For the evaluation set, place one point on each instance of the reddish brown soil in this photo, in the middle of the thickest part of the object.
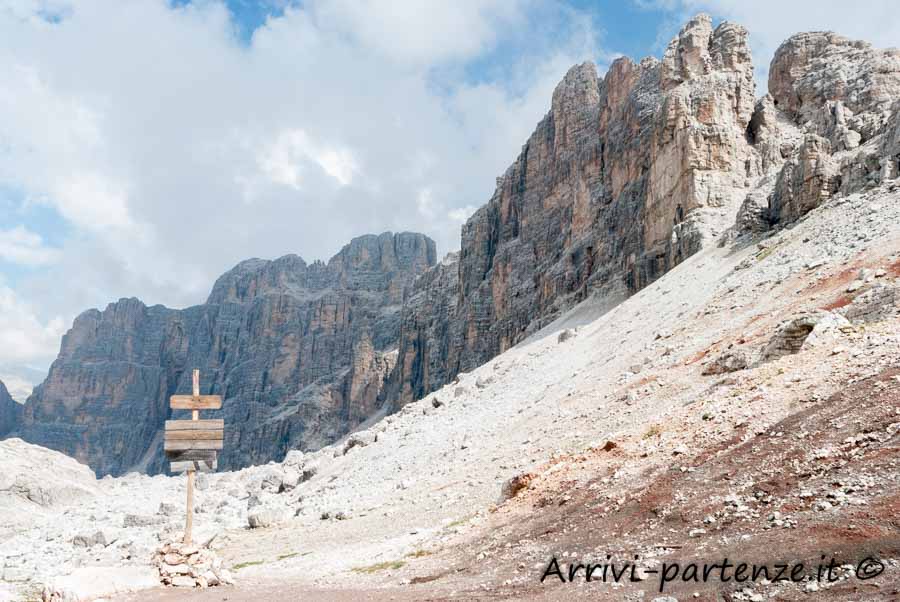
(660, 514)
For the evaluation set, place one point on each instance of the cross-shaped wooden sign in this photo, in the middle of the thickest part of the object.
(192, 445)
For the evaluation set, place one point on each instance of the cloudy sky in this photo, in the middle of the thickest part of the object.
(147, 146)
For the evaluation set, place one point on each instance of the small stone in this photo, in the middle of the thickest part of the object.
(730, 361)
(137, 520)
(179, 569)
(294, 458)
(483, 381)
(183, 581)
(513, 486)
(264, 518)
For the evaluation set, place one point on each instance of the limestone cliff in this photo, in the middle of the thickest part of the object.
(9, 411)
(623, 179)
(298, 351)
(829, 126)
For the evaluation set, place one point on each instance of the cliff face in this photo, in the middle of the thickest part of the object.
(10, 411)
(299, 353)
(830, 126)
(624, 178)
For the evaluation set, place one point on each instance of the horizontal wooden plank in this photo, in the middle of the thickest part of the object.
(195, 425)
(192, 455)
(201, 402)
(194, 435)
(195, 466)
(185, 445)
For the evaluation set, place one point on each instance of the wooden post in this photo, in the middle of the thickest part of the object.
(192, 445)
(196, 392)
(189, 521)
(195, 415)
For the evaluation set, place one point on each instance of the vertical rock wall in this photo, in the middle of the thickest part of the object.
(299, 352)
(623, 179)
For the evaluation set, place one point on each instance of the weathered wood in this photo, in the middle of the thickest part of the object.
(189, 522)
(195, 392)
(194, 435)
(192, 455)
(195, 466)
(201, 402)
(170, 445)
(215, 424)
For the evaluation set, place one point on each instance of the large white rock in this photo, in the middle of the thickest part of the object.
(43, 476)
(89, 583)
(35, 479)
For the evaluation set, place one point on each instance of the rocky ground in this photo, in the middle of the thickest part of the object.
(747, 404)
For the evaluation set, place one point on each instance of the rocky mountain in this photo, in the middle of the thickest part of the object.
(737, 397)
(9, 411)
(829, 126)
(626, 177)
(297, 350)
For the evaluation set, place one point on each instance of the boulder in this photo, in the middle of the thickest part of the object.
(807, 328)
(729, 361)
(512, 487)
(266, 517)
(360, 439)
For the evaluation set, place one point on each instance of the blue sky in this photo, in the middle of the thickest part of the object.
(256, 128)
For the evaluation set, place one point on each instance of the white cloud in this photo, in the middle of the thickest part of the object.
(420, 31)
(19, 387)
(91, 201)
(21, 246)
(425, 203)
(173, 151)
(23, 337)
(284, 160)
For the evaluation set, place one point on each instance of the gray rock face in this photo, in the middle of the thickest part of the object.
(33, 479)
(843, 97)
(298, 351)
(623, 179)
(10, 411)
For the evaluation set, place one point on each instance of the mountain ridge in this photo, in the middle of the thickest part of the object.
(109, 388)
(624, 178)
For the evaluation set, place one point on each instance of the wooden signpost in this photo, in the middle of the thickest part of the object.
(192, 445)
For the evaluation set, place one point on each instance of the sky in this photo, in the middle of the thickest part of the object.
(148, 146)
